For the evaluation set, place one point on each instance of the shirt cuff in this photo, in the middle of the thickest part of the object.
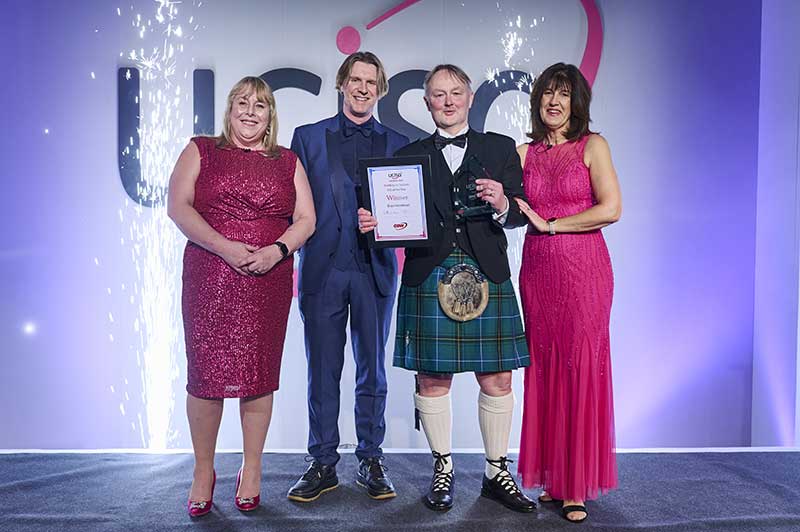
(500, 217)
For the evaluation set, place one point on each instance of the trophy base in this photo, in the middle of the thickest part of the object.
(474, 212)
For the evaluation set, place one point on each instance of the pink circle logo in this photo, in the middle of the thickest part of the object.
(348, 40)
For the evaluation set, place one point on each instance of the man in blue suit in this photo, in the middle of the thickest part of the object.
(340, 276)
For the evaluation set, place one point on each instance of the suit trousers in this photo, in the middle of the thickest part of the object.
(325, 315)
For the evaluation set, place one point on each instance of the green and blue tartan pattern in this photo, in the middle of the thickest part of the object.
(428, 341)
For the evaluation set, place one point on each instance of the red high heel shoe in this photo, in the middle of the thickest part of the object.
(245, 504)
(201, 508)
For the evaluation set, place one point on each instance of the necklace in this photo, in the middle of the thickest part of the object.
(548, 143)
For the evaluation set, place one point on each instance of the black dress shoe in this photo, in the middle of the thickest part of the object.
(317, 480)
(440, 495)
(503, 488)
(372, 476)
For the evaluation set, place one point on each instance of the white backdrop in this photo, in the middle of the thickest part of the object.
(470, 35)
(93, 343)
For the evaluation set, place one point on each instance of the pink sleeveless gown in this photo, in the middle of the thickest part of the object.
(235, 325)
(566, 286)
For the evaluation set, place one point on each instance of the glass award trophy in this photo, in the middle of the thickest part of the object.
(464, 191)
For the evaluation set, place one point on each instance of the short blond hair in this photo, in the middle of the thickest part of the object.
(248, 85)
(365, 57)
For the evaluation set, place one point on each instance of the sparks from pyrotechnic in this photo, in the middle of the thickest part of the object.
(516, 36)
(155, 244)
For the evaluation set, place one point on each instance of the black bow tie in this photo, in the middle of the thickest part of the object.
(440, 142)
(351, 128)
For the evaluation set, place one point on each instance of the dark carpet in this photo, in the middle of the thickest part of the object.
(739, 492)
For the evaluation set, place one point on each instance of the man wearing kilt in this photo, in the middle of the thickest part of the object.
(457, 310)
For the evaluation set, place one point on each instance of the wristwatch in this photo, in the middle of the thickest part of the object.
(283, 248)
(551, 225)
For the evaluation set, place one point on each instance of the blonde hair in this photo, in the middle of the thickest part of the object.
(343, 75)
(247, 85)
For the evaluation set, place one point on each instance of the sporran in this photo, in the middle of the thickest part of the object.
(463, 292)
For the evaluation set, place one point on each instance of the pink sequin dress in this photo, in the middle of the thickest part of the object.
(566, 286)
(235, 325)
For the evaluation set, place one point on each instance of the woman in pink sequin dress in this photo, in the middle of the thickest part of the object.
(566, 286)
(245, 205)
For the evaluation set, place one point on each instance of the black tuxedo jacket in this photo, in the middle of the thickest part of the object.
(483, 238)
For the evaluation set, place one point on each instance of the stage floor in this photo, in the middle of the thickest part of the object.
(741, 492)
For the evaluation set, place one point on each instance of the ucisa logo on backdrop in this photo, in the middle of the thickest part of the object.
(203, 87)
(348, 39)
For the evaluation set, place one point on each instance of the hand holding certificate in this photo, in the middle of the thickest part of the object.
(394, 192)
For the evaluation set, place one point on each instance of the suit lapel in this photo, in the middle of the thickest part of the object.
(335, 167)
(442, 177)
(474, 147)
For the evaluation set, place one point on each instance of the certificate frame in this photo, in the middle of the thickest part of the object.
(414, 197)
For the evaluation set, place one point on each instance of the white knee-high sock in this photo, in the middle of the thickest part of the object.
(434, 413)
(494, 416)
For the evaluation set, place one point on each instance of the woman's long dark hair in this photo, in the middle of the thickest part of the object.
(562, 76)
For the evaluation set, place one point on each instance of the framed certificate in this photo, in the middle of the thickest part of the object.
(395, 190)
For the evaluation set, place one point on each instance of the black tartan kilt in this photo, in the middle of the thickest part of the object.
(428, 341)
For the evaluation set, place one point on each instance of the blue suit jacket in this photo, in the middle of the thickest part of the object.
(317, 147)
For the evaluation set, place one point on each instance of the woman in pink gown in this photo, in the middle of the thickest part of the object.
(566, 286)
(245, 205)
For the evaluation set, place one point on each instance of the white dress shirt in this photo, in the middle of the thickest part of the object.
(453, 155)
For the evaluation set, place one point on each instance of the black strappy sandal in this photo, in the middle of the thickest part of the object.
(566, 510)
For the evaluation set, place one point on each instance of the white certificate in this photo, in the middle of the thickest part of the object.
(397, 197)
